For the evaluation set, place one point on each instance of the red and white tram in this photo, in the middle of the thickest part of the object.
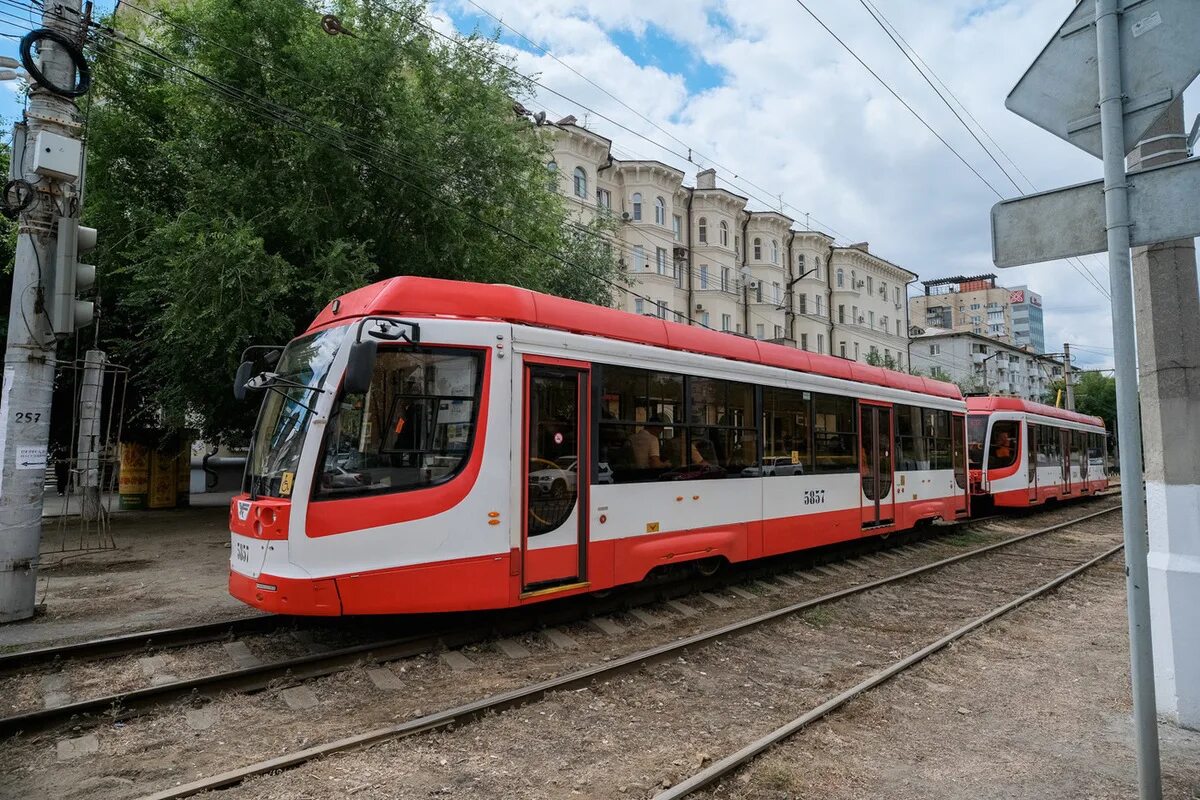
(432, 445)
(1034, 452)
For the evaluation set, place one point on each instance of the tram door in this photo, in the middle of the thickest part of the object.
(958, 442)
(1064, 440)
(555, 482)
(875, 465)
(1031, 455)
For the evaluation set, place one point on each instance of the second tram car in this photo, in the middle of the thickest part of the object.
(433, 445)
(1025, 454)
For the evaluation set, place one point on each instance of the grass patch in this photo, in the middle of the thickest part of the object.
(818, 617)
(775, 777)
(966, 539)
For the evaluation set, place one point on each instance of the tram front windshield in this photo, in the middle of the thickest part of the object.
(976, 433)
(283, 420)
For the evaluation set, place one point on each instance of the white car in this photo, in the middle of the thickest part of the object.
(774, 465)
(557, 481)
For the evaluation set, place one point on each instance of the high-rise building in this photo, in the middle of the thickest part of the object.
(972, 304)
(1028, 330)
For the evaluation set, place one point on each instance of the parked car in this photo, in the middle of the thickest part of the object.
(774, 465)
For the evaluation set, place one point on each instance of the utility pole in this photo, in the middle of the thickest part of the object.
(1133, 492)
(1067, 376)
(47, 164)
(1168, 342)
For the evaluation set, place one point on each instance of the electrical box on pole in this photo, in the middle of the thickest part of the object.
(67, 312)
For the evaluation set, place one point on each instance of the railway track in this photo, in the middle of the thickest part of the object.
(603, 672)
(423, 635)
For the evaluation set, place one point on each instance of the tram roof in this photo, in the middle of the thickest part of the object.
(992, 403)
(433, 297)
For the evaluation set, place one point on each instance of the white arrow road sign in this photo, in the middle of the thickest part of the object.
(1070, 222)
(1160, 56)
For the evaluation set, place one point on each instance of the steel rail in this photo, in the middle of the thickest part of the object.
(474, 710)
(138, 641)
(719, 769)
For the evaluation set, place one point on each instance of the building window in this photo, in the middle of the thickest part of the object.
(704, 318)
(778, 331)
(677, 227)
(552, 171)
(935, 349)
(639, 306)
(702, 230)
(704, 276)
(896, 291)
(660, 260)
(898, 328)
(678, 267)
(726, 282)
(853, 279)
(871, 318)
(660, 211)
(758, 249)
(639, 257)
(724, 234)
(581, 183)
(758, 292)
(803, 300)
(817, 266)
(804, 341)
(841, 279)
(799, 265)
(869, 289)
(842, 349)
(777, 292)
(637, 206)
(883, 289)
(760, 331)
(856, 351)
(604, 199)
(854, 317)
(774, 251)
(874, 350)
(820, 343)
(841, 315)
(663, 310)
(737, 245)
(726, 321)
(820, 308)
(883, 323)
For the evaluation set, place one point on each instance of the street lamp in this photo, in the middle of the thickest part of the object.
(984, 365)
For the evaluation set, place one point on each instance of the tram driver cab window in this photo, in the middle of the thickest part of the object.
(413, 428)
(1002, 451)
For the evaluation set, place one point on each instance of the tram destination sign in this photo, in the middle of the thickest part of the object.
(1159, 57)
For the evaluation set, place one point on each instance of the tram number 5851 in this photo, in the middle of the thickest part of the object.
(813, 497)
(243, 552)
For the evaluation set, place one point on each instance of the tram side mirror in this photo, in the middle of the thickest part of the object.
(360, 367)
(239, 380)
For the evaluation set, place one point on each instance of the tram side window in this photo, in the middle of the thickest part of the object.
(937, 429)
(414, 427)
(787, 432)
(1004, 443)
(923, 438)
(976, 433)
(639, 431)
(722, 436)
(835, 437)
(1049, 451)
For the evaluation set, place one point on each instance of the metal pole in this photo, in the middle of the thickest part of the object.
(1133, 492)
(28, 379)
(1067, 376)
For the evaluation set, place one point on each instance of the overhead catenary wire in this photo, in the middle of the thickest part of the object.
(927, 73)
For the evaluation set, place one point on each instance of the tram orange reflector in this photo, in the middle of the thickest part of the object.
(493, 522)
(493, 513)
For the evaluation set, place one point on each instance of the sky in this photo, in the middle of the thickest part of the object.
(763, 93)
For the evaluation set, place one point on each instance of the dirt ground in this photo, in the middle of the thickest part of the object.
(169, 568)
(1035, 706)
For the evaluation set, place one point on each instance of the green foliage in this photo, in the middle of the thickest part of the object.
(225, 223)
(1095, 394)
(886, 361)
(939, 374)
(8, 249)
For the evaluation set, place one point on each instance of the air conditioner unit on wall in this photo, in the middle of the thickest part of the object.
(753, 284)
(699, 306)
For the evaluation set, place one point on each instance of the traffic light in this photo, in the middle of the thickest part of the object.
(67, 312)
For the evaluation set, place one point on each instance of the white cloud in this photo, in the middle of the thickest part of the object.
(797, 115)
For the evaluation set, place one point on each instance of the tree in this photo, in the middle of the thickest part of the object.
(233, 208)
(886, 361)
(1095, 394)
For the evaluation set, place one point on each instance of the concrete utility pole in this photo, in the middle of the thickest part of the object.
(51, 136)
(87, 450)
(1067, 376)
(1168, 342)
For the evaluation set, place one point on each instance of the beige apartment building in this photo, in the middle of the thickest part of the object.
(696, 254)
